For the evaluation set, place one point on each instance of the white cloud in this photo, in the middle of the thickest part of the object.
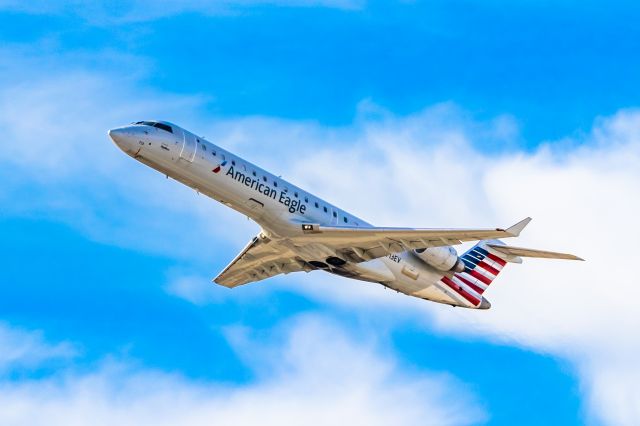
(197, 289)
(309, 373)
(191, 288)
(27, 349)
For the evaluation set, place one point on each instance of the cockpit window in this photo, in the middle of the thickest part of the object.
(161, 126)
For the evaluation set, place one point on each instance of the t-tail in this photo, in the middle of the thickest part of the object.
(484, 261)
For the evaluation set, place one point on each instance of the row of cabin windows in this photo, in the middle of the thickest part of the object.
(275, 183)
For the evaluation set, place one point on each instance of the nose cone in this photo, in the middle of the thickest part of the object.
(123, 139)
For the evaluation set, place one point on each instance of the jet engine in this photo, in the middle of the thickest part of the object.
(442, 258)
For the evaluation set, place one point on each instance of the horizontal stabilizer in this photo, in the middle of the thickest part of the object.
(526, 252)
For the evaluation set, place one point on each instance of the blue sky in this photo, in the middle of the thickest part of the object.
(444, 114)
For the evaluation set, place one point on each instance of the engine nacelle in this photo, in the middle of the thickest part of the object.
(442, 258)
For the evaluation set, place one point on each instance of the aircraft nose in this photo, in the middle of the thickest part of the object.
(122, 138)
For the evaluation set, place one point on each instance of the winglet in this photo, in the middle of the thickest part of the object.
(518, 227)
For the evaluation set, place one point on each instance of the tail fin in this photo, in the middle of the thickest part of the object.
(482, 266)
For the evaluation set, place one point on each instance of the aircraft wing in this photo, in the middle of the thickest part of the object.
(259, 260)
(360, 244)
(265, 258)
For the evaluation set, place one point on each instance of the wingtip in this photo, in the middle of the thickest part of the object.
(569, 256)
(516, 229)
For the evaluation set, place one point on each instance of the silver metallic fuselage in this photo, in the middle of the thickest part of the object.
(248, 189)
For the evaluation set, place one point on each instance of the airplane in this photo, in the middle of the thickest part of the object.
(301, 232)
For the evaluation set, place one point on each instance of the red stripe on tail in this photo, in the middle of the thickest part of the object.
(479, 276)
(488, 268)
(461, 291)
(496, 259)
(477, 289)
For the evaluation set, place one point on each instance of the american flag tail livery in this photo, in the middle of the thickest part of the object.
(482, 264)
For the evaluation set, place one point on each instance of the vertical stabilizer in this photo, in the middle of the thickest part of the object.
(482, 265)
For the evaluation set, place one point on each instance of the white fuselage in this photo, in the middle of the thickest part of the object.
(278, 206)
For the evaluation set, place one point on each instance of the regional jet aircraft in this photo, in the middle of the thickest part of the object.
(301, 232)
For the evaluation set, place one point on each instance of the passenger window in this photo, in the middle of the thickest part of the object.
(264, 178)
(325, 209)
(233, 162)
(335, 214)
(344, 219)
(295, 194)
(213, 153)
(316, 204)
(306, 199)
(275, 183)
(253, 173)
